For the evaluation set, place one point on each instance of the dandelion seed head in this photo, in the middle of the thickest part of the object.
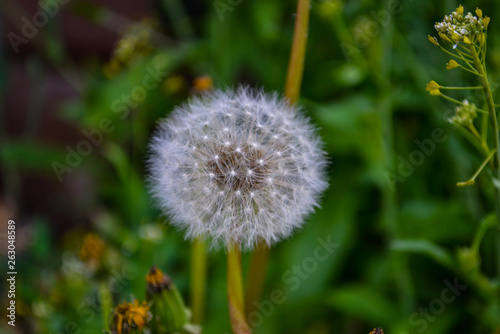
(249, 180)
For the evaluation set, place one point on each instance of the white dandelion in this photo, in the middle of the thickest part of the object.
(237, 167)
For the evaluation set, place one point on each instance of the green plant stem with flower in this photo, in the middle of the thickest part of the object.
(466, 34)
(480, 66)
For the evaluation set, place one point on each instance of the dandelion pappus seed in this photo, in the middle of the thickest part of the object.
(231, 187)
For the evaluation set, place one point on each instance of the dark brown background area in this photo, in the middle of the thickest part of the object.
(45, 89)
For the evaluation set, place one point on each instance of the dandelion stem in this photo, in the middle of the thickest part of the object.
(260, 256)
(235, 291)
(198, 280)
(479, 64)
(256, 276)
(296, 64)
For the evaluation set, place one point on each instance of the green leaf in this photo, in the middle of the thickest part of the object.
(426, 247)
(363, 302)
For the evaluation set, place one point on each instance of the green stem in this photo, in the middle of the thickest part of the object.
(106, 304)
(235, 291)
(485, 225)
(260, 257)
(256, 276)
(484, 146)
(496, 137)
(381, 71)
(460, 103)
(198, 280)
(461, 57)
(458, 88)
(472, 180)
(472, 139)
(468, 70)
(296, 64)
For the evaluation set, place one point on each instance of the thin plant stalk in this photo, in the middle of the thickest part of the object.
(256, 276)
(483, 78)
(106, 305)
(260, 257)
(296, 64)
(235, 291)
(198, 280)
(381, 59)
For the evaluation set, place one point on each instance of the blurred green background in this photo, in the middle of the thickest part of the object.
(398, 227)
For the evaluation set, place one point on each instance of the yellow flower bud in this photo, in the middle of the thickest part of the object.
(479, 12)
(433, 40)
(452, 64)
(433, 88)
(444, 37)
(466, 40)
(455, 37)
(460, 10)
(167, 307)
(466, 183)
(486, 21)
(433, 85)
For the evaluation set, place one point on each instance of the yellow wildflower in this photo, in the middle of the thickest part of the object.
(452, 64)
(433, 88)
(433, 40)
(479, 12)
(129, 317)
(486, 22)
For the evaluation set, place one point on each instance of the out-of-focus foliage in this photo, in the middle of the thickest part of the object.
(397, 226)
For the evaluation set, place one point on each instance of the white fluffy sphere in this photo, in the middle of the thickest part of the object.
(237, 167)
